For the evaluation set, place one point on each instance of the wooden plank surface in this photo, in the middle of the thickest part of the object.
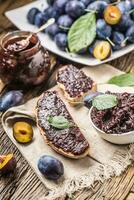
(24, 184)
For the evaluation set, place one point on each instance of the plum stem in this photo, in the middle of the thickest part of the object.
(115, 3)
(68, 52)
(93, 11)
(124, 41)
(131, 11)
(110, 41)
(64, 28)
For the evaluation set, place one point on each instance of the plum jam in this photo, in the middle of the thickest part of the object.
(16, 44)
(29, 64)
(117, 120)
(70, 139)
(75, 81)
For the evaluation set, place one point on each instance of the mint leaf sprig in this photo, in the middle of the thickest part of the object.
(105, 101)
(123, 80)
(60, 122)
(82, 33)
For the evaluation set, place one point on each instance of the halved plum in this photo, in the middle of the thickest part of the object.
(7, 163)
(23, 132)
(112, 15)
(102, 50)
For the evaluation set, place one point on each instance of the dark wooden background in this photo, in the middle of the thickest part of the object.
(24, 184)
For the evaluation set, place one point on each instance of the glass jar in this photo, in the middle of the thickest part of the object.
(30, 65)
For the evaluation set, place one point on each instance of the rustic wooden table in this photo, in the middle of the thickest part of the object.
(24, 184)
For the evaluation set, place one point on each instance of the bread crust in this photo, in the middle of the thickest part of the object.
(58, 150)
(74, 100)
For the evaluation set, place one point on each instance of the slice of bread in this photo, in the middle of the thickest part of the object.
(69, 142)
(75, 84)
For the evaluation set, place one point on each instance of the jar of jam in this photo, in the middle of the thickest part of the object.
(29, 64)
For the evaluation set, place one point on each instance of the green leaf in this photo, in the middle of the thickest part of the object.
(105, 101)
(82, 33)
(123, 80)
(59, 122)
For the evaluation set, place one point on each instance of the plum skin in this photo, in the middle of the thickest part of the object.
(50, 2)
(118, 39)
(125, 6)
(50, 167)
(59, 5)
(53, 30)
(50, 12)
(103, 30)
(10, 99)
(39, 19)
(31, 14)
(130, 34)
(75, 9)
(64, 21)
(98, 6)
(61, 41)
(10, 166)
(89, 98)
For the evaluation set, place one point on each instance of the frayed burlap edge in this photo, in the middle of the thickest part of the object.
(101, 172)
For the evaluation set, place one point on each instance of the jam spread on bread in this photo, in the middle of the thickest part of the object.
(70, 139)
(74, 80)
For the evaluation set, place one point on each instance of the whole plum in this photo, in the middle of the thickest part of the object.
(124, 23)
(103, 30)
(124, 6)
(118, 39)
(75, 8)
(50, 167)
(61, 40)
(60, 5)
(98, 7)
(50, 12)
(31, 14)
(64, 22)
(39, 19)
(10, 99)
(53, 30)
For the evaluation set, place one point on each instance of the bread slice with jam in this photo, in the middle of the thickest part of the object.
(74, 83)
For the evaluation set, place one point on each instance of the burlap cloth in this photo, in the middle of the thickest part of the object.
(79, 174)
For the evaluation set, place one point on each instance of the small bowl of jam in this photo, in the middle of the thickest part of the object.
(29, 64)
(116, 124)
